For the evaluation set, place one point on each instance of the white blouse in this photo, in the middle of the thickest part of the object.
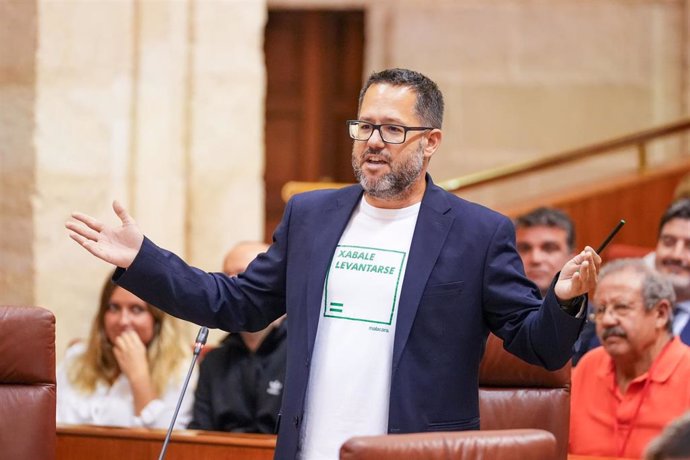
(114, 405)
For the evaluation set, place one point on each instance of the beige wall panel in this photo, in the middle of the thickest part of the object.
(82, 140)
(18, 41)
(685, 61)
(531, 78)
(17, 182)
(592, 42)
(158, 153)
(454, 42)
(499, 125)
(226, 133)
(563, 179)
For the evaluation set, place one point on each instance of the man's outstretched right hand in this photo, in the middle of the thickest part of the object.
(116, 245)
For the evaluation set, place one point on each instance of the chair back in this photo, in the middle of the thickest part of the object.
(517, 395)
(467, 445)
(27, 383)
(624, 251)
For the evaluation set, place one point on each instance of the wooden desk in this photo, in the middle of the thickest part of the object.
(81, 442)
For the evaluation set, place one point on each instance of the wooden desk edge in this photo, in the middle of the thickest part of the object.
(251, 440)
(266, 441)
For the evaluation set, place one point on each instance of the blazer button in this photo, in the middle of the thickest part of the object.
(295, 420)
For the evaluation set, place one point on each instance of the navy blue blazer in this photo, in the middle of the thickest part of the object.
(464, 278)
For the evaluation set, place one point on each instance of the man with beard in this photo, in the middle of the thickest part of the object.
(672, 259)
(625, 392)
(391, 286)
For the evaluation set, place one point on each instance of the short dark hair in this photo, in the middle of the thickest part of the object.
(679, 209)
(549, 217)
(429, 107)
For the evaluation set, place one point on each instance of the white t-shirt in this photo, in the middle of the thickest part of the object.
(114, 405)
(349, 382)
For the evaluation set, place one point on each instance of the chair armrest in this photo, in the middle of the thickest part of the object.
(527, 444)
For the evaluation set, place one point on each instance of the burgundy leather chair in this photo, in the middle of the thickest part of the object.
(624, 251)
(524, 410)
(27, 383)
(467, 445)
(515, 395)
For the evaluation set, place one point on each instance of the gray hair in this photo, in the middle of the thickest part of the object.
(655, 287)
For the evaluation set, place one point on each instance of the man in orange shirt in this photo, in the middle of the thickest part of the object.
(624, 393)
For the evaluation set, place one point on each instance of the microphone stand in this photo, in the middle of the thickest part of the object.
(198, 345)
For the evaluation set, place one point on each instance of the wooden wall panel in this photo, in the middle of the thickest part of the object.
(640, 199)
(314, 63)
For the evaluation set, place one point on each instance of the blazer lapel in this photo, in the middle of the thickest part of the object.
(433, 225)
(335, 219)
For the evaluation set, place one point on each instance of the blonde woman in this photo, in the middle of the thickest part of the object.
(130, 371)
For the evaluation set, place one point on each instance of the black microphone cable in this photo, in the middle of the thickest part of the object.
(198, 345)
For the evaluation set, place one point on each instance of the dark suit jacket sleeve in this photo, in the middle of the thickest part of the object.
(248, 302)
(541, 335)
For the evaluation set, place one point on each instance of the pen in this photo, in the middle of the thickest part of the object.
(611, 235)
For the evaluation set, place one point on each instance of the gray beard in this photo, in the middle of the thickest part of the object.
(395, 184)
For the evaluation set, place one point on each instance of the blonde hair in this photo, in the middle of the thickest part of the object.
(166, 352)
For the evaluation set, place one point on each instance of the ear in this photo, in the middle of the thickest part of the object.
(433, 141)
(663, 313)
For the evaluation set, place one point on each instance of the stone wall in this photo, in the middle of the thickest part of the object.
(526, 78)
(18, 42)
(156, 104)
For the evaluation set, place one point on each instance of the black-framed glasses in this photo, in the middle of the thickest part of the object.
(390, 134)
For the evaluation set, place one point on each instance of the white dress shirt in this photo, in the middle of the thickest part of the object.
(114, 405)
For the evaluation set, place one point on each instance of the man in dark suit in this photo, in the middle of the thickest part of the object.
(391, 286)
(672, 259)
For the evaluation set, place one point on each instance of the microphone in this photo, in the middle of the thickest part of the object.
(199, 343)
